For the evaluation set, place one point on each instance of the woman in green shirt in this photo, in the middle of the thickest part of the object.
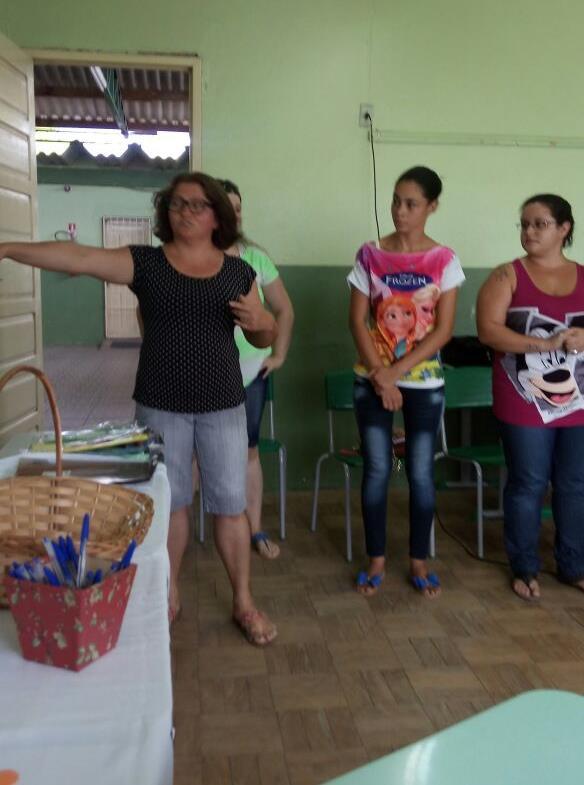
(256, 365)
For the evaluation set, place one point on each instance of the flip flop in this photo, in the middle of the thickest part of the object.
(246, 624)
(433, 580)
(372, 582)
(264, 546)
(362, 579)
(421, 584)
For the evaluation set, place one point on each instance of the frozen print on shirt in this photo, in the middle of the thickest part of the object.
(403, 320)
(553, 381)
(403, 290)
(403, 303)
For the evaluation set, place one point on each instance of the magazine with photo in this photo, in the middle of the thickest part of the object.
(553, 381)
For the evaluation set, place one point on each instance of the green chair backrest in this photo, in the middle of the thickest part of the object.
(338, 387)
(468, 386)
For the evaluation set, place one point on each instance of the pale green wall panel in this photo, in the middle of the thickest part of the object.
(483, 191)
(73, 307)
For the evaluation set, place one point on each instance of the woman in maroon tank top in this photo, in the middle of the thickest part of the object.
(531, 311)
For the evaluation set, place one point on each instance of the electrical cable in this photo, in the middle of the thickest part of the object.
(368, 117)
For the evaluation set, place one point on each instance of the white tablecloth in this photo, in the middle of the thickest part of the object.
(112, 722)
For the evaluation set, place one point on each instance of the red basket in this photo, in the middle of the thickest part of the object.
(66, 627)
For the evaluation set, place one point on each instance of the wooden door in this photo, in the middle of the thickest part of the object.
(20, 293)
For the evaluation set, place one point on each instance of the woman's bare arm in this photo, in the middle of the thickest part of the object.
(281, 306)
(114, 265)
(493, 302)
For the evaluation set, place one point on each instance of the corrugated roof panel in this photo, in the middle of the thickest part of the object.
(153, 98)
(77, 156)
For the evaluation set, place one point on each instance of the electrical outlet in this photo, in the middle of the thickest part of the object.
(364, 110)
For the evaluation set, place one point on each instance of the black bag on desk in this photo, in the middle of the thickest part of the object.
(465, 350)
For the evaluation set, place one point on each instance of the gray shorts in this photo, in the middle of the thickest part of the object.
(219, 440)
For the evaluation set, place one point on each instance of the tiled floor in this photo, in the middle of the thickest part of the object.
(348, 679)
(91, 384)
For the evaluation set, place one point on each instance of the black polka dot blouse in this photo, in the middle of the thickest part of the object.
(189, 362)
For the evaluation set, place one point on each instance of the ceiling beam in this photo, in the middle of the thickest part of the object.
(51, 91)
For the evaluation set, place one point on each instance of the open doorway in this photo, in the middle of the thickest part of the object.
(111, 130)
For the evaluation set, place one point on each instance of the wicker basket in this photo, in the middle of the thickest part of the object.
(35, 507)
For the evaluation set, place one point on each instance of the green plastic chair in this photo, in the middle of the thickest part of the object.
(338, 393)
(273, 446)
(267, 446)
(467, 388)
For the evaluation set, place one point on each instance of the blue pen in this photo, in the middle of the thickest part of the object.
(28, 574)
(127, 557)
(72, 552)
(63, 547)
(63, 560)
(36, 569)
(71, 558)
(62, 553)
(50, 549)
(51, 577)
(18, 571)
(88, 579)
(83, 550)
(97, 577)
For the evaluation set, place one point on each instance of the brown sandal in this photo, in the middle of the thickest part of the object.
(247, 623)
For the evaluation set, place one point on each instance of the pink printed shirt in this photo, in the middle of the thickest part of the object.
(544, 389)
(403, 291)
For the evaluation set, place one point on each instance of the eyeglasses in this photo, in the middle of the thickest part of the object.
(194, 206)
(539, 224)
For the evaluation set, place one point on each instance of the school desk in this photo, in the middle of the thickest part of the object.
(532, 739)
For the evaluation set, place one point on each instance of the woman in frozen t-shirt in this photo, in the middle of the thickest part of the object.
(403, 301)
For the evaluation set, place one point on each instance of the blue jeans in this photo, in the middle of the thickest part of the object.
(255, 400)
(422, 410)
(535, 457)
